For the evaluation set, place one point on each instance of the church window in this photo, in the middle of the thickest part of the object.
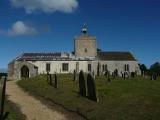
(126, 67)
(104, 67)
(48, 67)
(64, 66)
(89, 67)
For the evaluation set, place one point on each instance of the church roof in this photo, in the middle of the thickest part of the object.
(108, 56)
(115, 56)
(43, 56)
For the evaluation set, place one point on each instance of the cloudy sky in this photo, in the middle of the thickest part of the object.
(51, 25)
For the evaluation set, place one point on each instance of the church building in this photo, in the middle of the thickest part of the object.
(85, 57)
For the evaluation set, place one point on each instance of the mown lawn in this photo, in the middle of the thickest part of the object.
(122, 99)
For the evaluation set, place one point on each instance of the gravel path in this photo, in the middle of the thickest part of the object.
(33, 109)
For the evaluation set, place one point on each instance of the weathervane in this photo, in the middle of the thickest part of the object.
(84, 29)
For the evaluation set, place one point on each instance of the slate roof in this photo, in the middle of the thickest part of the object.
(108, 56)
(115, 56)
(42, 56)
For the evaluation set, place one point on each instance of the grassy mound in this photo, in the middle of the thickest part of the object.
(122, 99)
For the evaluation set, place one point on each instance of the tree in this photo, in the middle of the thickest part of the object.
(143, 67)
(99, 50)
(155, 68)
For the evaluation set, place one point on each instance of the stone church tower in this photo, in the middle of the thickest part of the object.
(85, 45)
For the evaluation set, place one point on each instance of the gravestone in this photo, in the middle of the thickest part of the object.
(132, 74)
(50, 79)
(74, 75)
(47, 77)
(153, 77)
(55, 81)
(82, 84)
(91, 88)
(98, 69)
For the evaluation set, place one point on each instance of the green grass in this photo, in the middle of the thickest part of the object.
(122, 99)
(14, 111)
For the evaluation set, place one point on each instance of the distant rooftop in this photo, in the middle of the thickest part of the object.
(115, 56)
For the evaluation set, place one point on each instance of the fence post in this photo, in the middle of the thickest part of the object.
(2, 116)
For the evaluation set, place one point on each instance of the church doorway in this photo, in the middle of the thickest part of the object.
(24, 72)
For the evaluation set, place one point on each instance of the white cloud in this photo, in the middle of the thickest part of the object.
(20, 28)
(47, 6)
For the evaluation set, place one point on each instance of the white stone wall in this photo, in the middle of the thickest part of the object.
(56, 66)
(119, 65)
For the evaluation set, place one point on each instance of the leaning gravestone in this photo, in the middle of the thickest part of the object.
(82, 84)
(91, 88)
(98, 69)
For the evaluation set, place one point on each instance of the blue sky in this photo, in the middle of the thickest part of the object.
(51, 25)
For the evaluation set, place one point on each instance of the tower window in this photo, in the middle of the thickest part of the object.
(85, 50)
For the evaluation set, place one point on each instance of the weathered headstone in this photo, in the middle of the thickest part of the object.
(124, 75)
(55, 81)
(109, 79)
(82, 84)
(47, 77)
(50, 79)
(74, 75)
(98, 69)
(91, 88)
(153, 77)
(132, 74)
(93, 74)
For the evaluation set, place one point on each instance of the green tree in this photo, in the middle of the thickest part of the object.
(155, 68)
(143, 67)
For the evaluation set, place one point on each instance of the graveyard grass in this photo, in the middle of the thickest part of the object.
(121, 99)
